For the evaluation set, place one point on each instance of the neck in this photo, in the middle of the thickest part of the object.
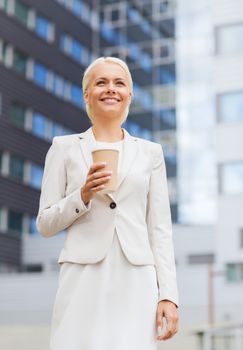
(108, 133)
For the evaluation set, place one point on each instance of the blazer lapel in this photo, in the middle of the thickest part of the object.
(88, 144)
(128, 158)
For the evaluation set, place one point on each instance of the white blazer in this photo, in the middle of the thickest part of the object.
(139, 212)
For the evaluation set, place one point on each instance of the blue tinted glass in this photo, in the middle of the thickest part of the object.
(85, 13)
(39, 125)
(107, 32)
(231, 107)
(146, 62)
(85, 56)
(77, 8)
(134, 128)
(56, 129)
(146, 27)
(147, 101)
(32, 225)
(76, 50)
(146, 134)
(76, 95)
(134, 51)
(168, 117)
(36, 176)
(232, 178)
(62, 42)
(41, 27)
(58, 86)
(40, 74)
(134, 15)
(167, 76)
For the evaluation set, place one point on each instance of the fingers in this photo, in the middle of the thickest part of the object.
(167, 310)
(96, 166)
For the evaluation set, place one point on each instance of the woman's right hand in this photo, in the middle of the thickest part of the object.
(95, 181)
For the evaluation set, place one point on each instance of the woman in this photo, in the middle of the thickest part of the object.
(117, 277)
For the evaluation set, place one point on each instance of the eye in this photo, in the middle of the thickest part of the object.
(120, 83)
(100, 82)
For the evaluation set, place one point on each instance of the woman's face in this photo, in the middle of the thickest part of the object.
(108, 93)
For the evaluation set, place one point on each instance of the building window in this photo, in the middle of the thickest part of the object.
(229, 39)
(15, 221)
(230, 107)
(75, 49)
(43, 27)
(40, 74)
(21, 12)
(78, 8)
(20, 62)
(76, 95)
(234, 272)
(115, 14)
(200, 259)
(17, 114)
(36, 173)
(231, 178)
(32, 226)
(32, 268)
(241, 237)
(167, 74)
(39, 125)
(16, 168)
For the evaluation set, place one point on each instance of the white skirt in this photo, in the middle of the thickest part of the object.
(109, 305)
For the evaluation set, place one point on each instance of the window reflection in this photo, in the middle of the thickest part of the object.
(232, 178)
(36, 174)
(231, 107)
(229, 39)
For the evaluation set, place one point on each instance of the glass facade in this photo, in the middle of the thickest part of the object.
(195, 110)
(229, 39)
(231, 178)
(21, 12)
(75, 49)
(36, 174)
(230, 107)
(17, 114)
(42, 27)
(15, 222)
(30, 18)
(234, 272)
(40, 75)
(16, 168)
(20, 62)
(39, 125)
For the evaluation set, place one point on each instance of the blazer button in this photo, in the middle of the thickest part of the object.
(112, 205)
(77, 210)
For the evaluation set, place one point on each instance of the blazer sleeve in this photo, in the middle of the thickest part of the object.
(56, 210)
(160, 229)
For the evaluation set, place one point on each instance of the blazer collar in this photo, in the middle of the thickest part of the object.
(88, 144)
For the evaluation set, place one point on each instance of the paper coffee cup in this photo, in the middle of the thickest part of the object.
(110, 156)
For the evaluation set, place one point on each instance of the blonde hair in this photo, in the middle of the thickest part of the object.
(86, 79)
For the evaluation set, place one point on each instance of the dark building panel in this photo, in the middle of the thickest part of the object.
(10, 250)
(18, 197)
(15, 87)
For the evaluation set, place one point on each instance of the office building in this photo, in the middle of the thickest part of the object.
(44, 49)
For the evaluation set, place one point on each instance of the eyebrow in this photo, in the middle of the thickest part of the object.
(104, 78)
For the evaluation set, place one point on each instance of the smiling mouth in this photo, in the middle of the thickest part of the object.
(110, 99)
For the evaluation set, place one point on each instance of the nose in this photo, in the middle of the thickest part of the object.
(111, 88)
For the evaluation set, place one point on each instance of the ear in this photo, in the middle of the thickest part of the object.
(86, 96)
(130, 98)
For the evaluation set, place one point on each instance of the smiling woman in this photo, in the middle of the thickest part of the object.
(107, 80)
(117, 271)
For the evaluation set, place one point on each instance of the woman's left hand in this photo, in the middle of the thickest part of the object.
(168, 310)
